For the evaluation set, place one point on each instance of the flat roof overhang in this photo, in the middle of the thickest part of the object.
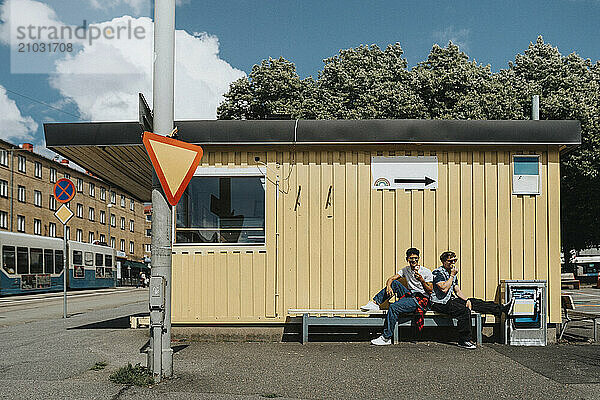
(114, 150)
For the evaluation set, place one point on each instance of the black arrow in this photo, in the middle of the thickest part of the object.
(427, 181)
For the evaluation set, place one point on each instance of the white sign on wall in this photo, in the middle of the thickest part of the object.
(404, 172)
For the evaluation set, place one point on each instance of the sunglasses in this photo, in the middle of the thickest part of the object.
(453, 261)
(412, 258)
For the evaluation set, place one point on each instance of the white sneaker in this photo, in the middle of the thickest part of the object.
(370, 306)
(467, 345)
(381, 341)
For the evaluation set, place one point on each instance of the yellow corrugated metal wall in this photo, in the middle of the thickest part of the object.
(338, 240)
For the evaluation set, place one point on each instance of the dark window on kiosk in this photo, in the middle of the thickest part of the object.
(222, 210)
(58, 261)
(108, 260)
(8, 259)
(37, 261)
(22, 260)
(99, 259)
(77, 257)
(48, 261)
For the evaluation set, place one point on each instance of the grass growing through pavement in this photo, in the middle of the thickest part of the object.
(133, 375)
(99, 366)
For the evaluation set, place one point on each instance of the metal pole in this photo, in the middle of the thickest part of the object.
(163, 102)
(65, 271)
(535, 107)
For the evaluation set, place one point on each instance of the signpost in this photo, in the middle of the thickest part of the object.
(64, 191)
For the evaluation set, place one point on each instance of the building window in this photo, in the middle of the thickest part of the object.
(122, 222)
(102, 238)
(113, 197)
(3, 220)
(52, 229)
(131, 205)
(148, 248)
(148, 232)
(102, 194)
(79, 235)
(79, 185)
(20, 223)
(131, 247)
(91, 237)
(38, 169)
(122, 247)
(226, 209)
(52, 203)
(92, 190)
(102, 217)
(113, 220)
(3, 188)
(37, 198)
(148, 217)
(52, 174)
(131, 225)
(37, 227)
(79, 212)
(112, 242)
(21, 194)
(69, 232)
(122, 201)
(4, 158)
(92, 214)
(22, 164)
(67, 175)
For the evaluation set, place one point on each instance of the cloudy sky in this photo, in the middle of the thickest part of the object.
(220, 41)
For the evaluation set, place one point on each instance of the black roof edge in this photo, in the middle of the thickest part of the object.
(560, 132)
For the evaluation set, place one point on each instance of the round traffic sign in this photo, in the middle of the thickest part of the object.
(64, 190)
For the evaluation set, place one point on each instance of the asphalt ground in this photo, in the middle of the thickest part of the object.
(50, 358)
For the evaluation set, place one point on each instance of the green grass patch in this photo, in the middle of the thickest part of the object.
(133, 375)
(99, 366)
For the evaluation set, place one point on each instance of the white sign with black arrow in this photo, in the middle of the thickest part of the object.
(404, 172)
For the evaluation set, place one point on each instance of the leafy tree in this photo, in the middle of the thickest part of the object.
(569, 89)
(367, 82)
(273, 87)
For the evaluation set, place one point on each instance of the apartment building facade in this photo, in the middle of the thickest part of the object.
(103, 213)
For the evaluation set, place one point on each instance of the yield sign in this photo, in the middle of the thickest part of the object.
(174, 162)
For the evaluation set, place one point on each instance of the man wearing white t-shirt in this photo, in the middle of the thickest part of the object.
(414, 299)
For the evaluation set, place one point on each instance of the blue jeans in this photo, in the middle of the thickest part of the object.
(406, 304)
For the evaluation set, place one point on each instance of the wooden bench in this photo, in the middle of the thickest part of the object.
(568, 279)
(319, 317)
(571, 315)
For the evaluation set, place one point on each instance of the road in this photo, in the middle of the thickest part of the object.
(44, 356)
(37, 307)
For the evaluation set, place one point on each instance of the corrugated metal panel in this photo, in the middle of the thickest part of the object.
(339, 239)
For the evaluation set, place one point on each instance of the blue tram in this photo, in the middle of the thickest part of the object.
(34, 264)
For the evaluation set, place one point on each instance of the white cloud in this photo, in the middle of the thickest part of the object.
(22, 13)
(13, 125)
(103, 78)
(459, 37)
(201, 76)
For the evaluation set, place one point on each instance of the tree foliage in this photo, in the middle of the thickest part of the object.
(369, 83)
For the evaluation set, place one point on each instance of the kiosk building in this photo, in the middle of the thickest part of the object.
(317, 214)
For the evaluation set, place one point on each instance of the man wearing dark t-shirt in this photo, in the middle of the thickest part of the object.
(447, 298)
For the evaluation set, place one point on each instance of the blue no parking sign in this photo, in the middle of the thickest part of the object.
(64, 190)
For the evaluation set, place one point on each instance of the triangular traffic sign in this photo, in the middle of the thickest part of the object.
(174, 162)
